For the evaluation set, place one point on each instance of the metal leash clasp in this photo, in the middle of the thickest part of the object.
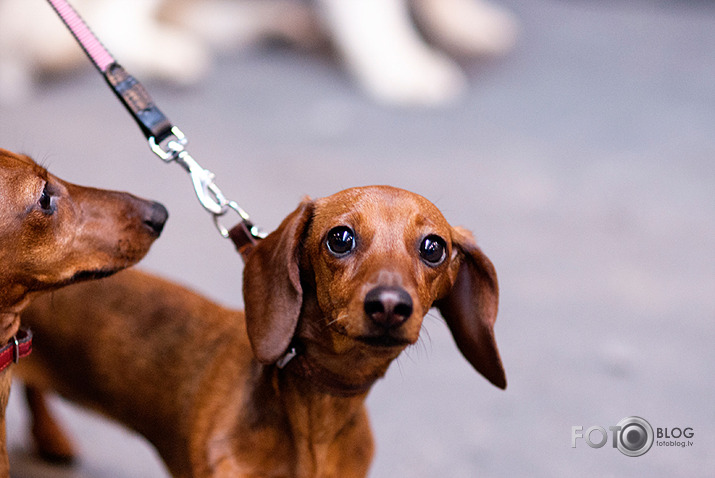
(165, 140)
(172, 149)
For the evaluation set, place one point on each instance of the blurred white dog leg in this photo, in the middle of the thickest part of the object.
(148, 48)
(382, 49)
(33, 43)
(468, 27)
(231, 24)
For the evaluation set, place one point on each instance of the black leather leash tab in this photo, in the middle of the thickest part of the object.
(166, 140)
(139, 103)
(243, 238)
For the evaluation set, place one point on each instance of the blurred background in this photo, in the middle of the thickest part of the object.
(582, 156)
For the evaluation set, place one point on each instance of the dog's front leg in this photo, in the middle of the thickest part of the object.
(381, 47)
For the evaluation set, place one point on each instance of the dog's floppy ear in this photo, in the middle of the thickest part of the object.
(470, 308)
(272, 292)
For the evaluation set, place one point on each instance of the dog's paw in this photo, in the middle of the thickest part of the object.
(53, 445)
(169, 55)
(160, 52)
(421, 78)
(381, 47)
(467, 27)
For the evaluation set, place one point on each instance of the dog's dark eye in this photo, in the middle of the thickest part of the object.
(341, 240)
(433, 249)
(45, 201)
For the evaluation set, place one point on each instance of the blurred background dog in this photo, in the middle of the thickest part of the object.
(398, 51)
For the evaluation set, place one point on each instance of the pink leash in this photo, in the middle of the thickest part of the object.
(165, 139)
(84, 36)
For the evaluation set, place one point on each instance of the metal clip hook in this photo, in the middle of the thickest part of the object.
(174, 144)
(290, 355)
(210, 196)
(172, 149)
(233, 205)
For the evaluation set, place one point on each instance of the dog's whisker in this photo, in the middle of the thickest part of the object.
(424, 334)
(420, 347)
(398, 362)
(432, 316)
(340, 318)
(408, 353)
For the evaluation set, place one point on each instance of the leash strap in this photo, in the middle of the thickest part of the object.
(165, 139)
(136, 99)
(19, 346)
(152, 122)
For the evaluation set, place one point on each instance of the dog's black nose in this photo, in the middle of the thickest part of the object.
(388, 307)
(156, 217)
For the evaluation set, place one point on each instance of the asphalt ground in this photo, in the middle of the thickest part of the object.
(584, 161)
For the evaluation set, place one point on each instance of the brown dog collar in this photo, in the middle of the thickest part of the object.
(296, 362)
(18, 347)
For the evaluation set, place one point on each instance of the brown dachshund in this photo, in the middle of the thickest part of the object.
(332, 297)
(53, 233)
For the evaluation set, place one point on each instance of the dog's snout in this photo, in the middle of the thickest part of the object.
(388, 307)
(156, 217)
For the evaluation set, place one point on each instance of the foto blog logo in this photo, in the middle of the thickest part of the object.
(633, 436)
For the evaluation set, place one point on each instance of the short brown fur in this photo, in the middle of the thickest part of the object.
(200, 381)
(53, 233)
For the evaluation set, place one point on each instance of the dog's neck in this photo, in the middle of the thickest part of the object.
(9, 324)
(317, 419)
(331, 362)
(11, 304)
(321, 378)
(323, 394)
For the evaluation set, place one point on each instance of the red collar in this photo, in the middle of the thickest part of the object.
(19, 346)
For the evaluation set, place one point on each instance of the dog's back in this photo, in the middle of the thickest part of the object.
(140, 336)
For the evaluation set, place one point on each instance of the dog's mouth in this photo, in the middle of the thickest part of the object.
(80, 276)
(86, 275)
(91, 275)
(379, 339)
(383, 341)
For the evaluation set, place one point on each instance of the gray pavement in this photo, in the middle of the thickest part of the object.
(585, 163)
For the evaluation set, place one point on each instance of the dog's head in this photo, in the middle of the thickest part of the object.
(53, 233)
(355, 274)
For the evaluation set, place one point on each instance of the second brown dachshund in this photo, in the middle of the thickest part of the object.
(332, 297)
